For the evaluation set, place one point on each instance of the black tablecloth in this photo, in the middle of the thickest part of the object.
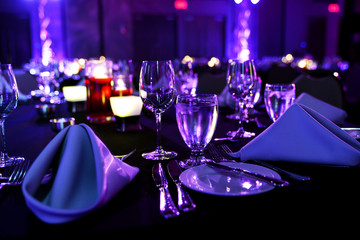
(330, 202)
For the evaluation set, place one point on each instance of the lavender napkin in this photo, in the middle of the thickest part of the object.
(335, 114)
(303, 135)
(85, 176)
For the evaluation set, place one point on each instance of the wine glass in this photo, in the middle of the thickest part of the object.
(240, 80)
(196, 117)
(157, 91)
(278, 98)
(9, 97)
(251, 100)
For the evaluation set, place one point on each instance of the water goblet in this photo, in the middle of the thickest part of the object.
(9, 97)
(278, 98)
(240, 81)
(157, 91)
(196, 117)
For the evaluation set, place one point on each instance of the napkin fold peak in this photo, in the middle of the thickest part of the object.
(303, 135)
(334, 114)
(84, 176)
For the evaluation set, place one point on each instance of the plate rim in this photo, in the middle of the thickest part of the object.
(187, 172)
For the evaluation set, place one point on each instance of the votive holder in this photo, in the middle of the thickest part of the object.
(75, 97)
(127, 110)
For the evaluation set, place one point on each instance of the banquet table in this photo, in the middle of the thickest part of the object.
(329, 202)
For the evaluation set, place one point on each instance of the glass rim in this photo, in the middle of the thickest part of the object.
(280, 85)
(149, 61)
(202, 96)
(237, 60)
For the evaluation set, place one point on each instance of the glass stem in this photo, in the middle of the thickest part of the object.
(241, 113)
(158, 131)
(2, 141)
(197, 157)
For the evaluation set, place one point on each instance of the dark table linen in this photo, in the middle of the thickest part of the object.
(330, 202)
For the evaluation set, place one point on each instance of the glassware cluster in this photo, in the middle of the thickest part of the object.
(240, 81)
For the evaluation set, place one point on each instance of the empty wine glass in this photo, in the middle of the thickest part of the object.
(251, 100)
(157, 92)
(196, 118)
(240, 80)
(278, 98)
(9, 98)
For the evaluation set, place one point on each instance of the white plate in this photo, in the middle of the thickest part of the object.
(225, 183)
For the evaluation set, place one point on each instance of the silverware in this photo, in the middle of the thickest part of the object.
(167, 206)
(292, 175)
(273, 181)
(215, 155)
(125, 156)
(185, 203)
(231, 139)
(17, 175)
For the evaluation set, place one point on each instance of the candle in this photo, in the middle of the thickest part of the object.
(74, 93)
(122, 85)
(98, 85)
(126, 106)
(100, 71)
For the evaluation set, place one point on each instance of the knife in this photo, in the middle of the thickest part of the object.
(167, 206)
(273, 181)
(185, 203)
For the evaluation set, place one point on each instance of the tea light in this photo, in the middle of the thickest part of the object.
(100, 72)
(126, 110)
(122, 85)
(126, 106)
(75, 93)
(45, 110)
(58, 124)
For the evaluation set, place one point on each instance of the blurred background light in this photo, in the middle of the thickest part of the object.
(333, 8)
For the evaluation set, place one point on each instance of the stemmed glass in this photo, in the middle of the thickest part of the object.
(240, 80)
(9, 97)
(157, 91)
(196, 118)
(278, 98)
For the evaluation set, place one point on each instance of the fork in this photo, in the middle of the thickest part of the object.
(214, 154)
(125, 156)
(17, 175)
(292, 175)
(217, 157)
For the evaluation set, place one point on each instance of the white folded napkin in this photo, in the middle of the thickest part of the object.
(335, 114)
(85, 176)
(303, 135)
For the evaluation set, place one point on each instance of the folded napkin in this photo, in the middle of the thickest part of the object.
(335, 114)
(303, 135)
(85, 176)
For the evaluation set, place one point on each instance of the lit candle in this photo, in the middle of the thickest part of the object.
(126, 106)
(100, 71)
(122, 85)
(74, 93)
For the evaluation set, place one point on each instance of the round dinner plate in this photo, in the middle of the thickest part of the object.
(219, 182)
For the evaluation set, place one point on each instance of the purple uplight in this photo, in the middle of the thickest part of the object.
(47, 53)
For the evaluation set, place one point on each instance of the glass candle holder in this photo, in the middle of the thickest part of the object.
(98, 83)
